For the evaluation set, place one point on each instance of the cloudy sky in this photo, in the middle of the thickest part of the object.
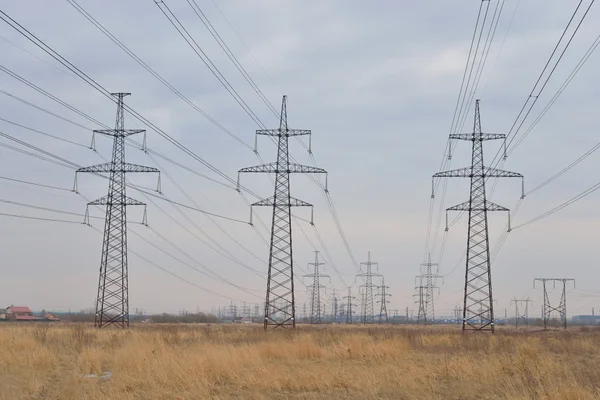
(378, 87)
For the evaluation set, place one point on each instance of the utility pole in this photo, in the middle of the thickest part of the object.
(368, 309)
(426, 306)
(315, 290)
(383, 294)
(547, 307)
(334, 307)
(521, 313)
(280, 280)
(478, 312)
(112, 300)
(349, 306)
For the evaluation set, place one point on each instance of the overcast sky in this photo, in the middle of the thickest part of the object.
(376, 84)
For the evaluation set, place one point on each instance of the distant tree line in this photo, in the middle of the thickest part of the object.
(164, 318)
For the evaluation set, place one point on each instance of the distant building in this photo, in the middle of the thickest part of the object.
(15, 313)
(2, 314)
(50, 317)
(586, 319)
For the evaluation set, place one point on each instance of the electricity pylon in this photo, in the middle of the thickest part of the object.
(427, 301)
(547, 307)
(521, 313)
(368, 308)
(349, 306)
(478, 311)
(420, 295)
(384, 295)
(315, 291)
(334, 307)
(112, 301)
(280, 301)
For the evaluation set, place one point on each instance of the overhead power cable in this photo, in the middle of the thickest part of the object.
(155, 74)
(206, 22)
(193, 44)
(39, 218)
(44, 47)
(155, 265)
(243, 43)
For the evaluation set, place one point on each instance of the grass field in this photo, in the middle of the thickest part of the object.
(334, 362)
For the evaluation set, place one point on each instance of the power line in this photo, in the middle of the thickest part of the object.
(39, 218)
(193, 44)
(36, 184)
(45, 134)
(155, 74)
(152, 263)
(47, 49)
(243, 43)
(206, 22)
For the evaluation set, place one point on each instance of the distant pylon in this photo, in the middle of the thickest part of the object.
(315, 291)
(426, 306)
(280, 304)
(478, 312)
(383, 314)
(547, 307)
(368, 308)
(521, 313)
(112, 300)
(420, 295)
(349, 306)
(334, 307)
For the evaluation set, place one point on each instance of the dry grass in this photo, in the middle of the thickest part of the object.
(243, 362)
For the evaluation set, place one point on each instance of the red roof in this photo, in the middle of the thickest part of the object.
(15, 309)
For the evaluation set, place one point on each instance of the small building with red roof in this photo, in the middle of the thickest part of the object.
(18, 313)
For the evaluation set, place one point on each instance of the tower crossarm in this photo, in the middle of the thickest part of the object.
(287, 132)
(486, 172)
(270, 202)
(107, 200)
(116, 167)
(273, 168)
(122, 132)
(477, 136)
(489, 206)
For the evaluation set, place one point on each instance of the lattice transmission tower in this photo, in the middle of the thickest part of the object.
(315, 291)
(334, 307)
(368, 312)
(383, 313)
(112, 300)
(547, 307)
(426, 293)
(349, 306)
(478, 310)
(280, 304)
(521, 313)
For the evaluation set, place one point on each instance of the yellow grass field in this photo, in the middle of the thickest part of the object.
(48, 361)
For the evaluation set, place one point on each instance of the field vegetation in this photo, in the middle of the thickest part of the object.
(219, 361)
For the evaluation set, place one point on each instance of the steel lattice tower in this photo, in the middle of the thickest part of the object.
(349, 306)
(426, 301)
(315, 291)
(384, 295)
(334, 307)
(112, 301)
(420, 295)
(478, 311)
(368, 306)
(547, 307)
(521, 313)
(280, 301)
